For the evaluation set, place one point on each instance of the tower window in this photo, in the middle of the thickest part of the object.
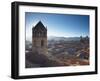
(42, 43)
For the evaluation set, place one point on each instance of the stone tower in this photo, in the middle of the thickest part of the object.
(39, 39)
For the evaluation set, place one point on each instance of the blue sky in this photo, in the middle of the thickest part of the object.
(63, 25)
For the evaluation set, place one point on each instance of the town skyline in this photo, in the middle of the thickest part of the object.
(59, 25)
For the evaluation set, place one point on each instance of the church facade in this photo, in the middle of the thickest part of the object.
(39, 39)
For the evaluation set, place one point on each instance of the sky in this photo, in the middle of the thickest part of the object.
(60, 25)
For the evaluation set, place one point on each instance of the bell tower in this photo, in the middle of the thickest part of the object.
(39, 39)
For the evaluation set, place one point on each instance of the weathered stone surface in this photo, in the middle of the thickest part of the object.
(39, 39)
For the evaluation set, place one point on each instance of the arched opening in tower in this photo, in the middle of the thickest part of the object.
(42, 43)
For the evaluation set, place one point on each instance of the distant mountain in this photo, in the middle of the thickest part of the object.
(63, 38)
(28, 45)
(28, 42)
